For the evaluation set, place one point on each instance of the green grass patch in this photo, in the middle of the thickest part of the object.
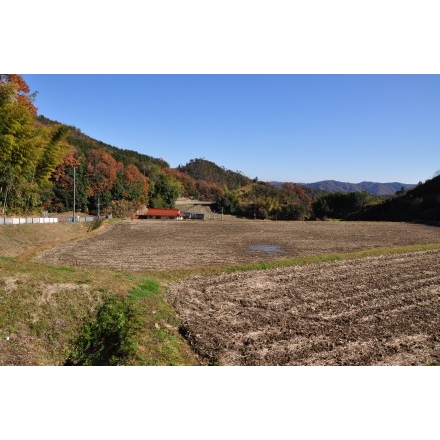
(138, 329)
(148, 289)
(109, 338)
(6, 258)
(55, 315)
(64, 269)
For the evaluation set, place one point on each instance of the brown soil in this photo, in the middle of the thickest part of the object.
(371, 311)
(153, 245)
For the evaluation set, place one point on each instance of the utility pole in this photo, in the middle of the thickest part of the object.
(222, 212)
(74, 192)
(99, 203)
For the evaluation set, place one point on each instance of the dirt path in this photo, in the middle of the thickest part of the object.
(372, 311)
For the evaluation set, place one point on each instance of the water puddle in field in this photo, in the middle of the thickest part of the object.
(268, 248)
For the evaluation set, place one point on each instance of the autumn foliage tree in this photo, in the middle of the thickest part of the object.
(134, 184)
(164, 191)
(21, 91)
(189, 184)
(63, 181)
(102, 173)
(28, 153)
(130, 192)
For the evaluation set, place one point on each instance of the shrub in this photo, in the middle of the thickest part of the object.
(95, 224)
(124, 208)
(109, 339)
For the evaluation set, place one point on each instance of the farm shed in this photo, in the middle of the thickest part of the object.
(162, 214)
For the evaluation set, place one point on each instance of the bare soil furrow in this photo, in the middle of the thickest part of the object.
(159, 245)
(317, 315)
(371, 311)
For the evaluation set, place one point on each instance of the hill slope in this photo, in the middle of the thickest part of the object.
(83, 142)
(202, 169)
(379, 189)
(422, 203)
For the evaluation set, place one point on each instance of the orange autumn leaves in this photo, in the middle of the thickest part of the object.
(22, 90)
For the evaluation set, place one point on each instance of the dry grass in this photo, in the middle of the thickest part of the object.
(44, 307)
(23, 240)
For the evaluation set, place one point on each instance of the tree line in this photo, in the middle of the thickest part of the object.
(29, 152)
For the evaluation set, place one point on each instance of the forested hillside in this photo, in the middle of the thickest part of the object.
(239, 195)
(341, 204)
(202, 169)
(41, 161)
(115, 180)
(263, 200)
(375, 188)
(421, 204)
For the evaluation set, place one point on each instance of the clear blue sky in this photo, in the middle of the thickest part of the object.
(299, 128)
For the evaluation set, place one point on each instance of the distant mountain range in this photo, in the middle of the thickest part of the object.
(379, 189)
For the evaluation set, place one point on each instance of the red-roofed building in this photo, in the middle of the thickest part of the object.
(160, 213)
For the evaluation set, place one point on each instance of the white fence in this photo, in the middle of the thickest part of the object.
(28, 220)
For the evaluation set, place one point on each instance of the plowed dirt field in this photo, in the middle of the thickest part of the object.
(154, 245)
(370, 311)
